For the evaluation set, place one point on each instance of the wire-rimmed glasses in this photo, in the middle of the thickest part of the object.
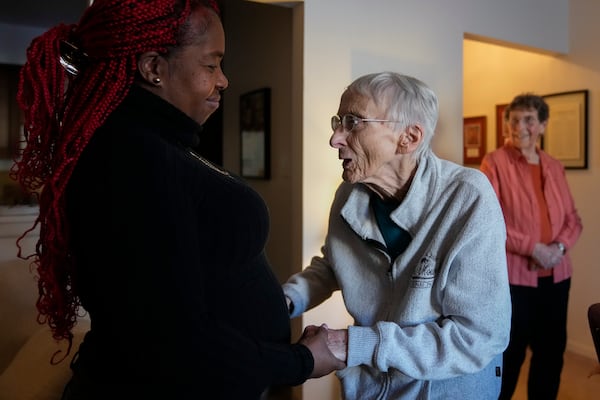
(528, 121)
(349, 121)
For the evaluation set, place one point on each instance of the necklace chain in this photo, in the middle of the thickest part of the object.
(208, 163)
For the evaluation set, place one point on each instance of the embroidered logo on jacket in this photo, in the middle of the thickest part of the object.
(424, 273)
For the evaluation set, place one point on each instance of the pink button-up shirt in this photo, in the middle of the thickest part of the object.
(510, 175)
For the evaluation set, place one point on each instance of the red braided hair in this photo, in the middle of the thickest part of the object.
(62, 112)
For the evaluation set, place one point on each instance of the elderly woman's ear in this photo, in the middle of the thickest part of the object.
(410, 139)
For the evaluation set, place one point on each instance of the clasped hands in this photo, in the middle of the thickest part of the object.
(546, 255)
(329, 348)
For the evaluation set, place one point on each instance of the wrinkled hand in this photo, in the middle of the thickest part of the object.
(337, 340)
(315, 338)
(546, 256)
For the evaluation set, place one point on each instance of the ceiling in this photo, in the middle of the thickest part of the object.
(41, 13)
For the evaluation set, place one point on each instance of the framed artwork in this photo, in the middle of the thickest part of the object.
(11, 124)
(501, 128)
(566, 134)
(474, 139)
(255, 132)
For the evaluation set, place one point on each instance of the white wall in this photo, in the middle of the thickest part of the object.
(347, 38)
(14, 43)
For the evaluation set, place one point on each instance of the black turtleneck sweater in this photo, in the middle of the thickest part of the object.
(171, 266)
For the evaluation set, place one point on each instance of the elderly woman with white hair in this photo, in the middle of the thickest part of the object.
(416, 246)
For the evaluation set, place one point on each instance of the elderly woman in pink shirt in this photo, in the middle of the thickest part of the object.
(542, 224)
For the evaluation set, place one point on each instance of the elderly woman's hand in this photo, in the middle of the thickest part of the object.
(546, 256)
(316, 339)
(337, 341)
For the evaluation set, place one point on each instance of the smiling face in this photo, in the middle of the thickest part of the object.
(370, 146)
(524, 128)
(194, 79)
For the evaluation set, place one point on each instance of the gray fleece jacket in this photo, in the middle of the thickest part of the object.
(433, 323)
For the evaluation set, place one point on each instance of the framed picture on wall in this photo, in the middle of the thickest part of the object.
(474, 139)
(11, 119)
(255, 133)
(565, 137)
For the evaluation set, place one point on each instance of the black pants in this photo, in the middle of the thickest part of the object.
(539, 320)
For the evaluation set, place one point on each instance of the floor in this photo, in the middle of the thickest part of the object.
(574, 384)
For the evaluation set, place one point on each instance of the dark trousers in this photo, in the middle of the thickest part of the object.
(539, 320)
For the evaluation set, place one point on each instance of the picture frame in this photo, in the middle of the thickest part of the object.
(566, 134)
(474, 139)
(255, 134)
(11, 117)
(501, 128)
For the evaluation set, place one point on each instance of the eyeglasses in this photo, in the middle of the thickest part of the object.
(349, 121)
(528, 120)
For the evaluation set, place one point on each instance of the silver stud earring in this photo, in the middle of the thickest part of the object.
(156, 81)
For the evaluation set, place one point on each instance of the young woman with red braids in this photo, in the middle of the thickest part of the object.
(163, 249)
